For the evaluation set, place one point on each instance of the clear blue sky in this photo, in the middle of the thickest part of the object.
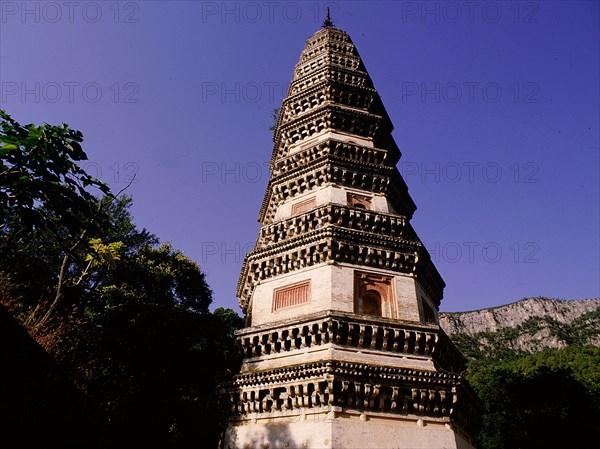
(495, 107)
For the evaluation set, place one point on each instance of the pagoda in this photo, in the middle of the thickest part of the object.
(342, 347)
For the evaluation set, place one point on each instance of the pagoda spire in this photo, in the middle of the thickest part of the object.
(327, 22)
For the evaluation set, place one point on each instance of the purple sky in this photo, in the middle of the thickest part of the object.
(495, 104)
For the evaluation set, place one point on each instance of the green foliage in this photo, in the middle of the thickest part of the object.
(231, 319)
(125, 316)
(550, 399)
(39, 175)
(585, 328)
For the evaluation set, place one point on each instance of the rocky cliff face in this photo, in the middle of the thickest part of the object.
(529, 325)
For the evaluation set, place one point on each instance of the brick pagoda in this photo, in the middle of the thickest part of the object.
(343, 348)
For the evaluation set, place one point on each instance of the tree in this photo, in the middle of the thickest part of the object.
(126, 316)
(44, 191)
(530, 400)
(40, 180)
(141, 342)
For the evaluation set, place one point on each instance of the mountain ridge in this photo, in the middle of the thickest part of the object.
(525, 326)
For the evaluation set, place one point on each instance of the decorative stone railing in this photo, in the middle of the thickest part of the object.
(329, 87)
(344, 386)
(322, 93)
(318, 247)
(329, 170)
(326, 46)
(348, 388)
(332, 244)
(332, 35)
(349, 61)
(337, 215)
(344, 151)
(315, 81)
(349, 330)
(340, 74)
(331, 116)
(332, 170)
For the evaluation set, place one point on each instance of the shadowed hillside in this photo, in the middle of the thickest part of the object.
(39, 408)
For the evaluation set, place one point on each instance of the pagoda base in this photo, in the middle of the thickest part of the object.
(333, 380)
(332, 428)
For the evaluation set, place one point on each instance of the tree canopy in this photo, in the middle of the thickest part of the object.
(550, 399)
(124, 315)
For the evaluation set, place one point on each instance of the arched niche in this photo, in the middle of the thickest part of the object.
(428, 314)
(359, 201)
(371, 303)
(374, 295)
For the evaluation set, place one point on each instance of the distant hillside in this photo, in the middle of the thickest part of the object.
(525, 326)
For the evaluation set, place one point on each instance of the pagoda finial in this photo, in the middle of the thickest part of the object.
(327, 22)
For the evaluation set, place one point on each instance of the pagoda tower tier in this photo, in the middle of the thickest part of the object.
(343, 348)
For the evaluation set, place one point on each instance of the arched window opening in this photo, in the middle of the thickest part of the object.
(428, 313)
(373, 295)
(371, 303)
(358, 201)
